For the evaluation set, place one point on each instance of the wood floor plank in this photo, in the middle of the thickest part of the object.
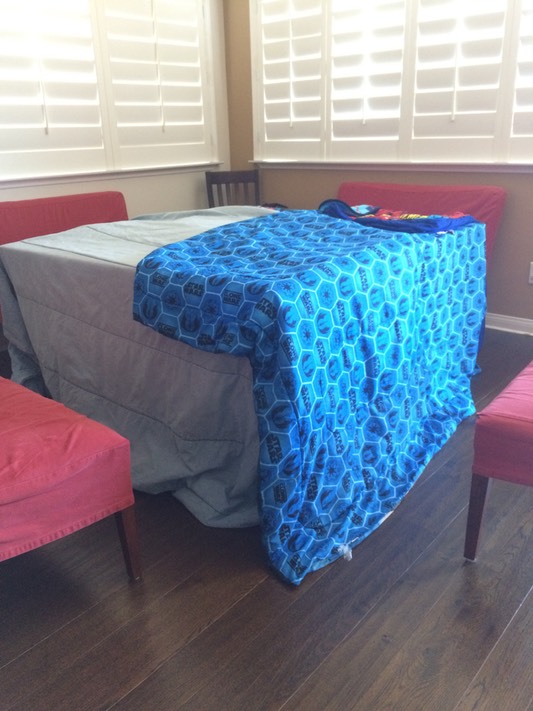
(505, 681)
(444, 645)
(436, 624)
(126, 657)
(269, 680)
(64, 578)
(77, 572)
(188, 670)
(349, 670)
(319, 621)
(88, 629)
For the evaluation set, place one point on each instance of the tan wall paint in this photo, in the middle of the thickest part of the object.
(158, 192)
(508, 291)
(239, 82)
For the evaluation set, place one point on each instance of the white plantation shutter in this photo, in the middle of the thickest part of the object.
(49, 101)
(157, 72)
(394, 80)
(458, 76)
(291, 40)
(96, 85)
(366, 67)
(522, 102)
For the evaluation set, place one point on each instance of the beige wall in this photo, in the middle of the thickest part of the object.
(143, 192)
(508, 291)
(239, 82)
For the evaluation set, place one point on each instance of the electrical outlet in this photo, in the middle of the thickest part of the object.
(530, 280)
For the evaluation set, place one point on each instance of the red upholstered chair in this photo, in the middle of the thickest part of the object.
(22, 219)
(484, 202)
(59, 472)
(503, 448)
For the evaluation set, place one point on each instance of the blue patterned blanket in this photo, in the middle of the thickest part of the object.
(361, 341)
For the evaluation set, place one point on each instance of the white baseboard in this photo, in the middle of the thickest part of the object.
(510, 323)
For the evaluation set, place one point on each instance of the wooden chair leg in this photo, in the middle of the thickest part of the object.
(129, 540)
(478, 495)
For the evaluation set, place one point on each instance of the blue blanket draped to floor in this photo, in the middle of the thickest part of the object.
(362, 343)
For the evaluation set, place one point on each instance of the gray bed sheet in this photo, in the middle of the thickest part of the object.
(189, 415)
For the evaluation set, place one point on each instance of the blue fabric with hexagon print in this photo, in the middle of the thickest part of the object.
(362, 342)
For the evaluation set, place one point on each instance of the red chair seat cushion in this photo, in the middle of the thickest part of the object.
(59, 471)
(503, 440)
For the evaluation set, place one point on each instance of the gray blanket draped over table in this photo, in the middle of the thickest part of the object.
(66, 304)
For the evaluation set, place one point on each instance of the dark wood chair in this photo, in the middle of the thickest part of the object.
(232, 187)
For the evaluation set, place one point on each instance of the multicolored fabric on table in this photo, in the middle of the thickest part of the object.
(362, 342)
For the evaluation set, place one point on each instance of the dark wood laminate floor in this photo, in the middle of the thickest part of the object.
(407, 625)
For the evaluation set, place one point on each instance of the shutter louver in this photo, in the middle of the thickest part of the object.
(50, 118)
(367, 53)
(457, 78)
(291, 76)
(522, 123)
(428, 81)
(92, 86)
(158, 81)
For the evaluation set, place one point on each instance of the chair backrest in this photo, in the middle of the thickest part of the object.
(21, 219)
(484, 202)
(232, 187)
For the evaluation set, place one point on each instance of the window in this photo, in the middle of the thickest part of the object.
(91, 85)
(393, 80)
